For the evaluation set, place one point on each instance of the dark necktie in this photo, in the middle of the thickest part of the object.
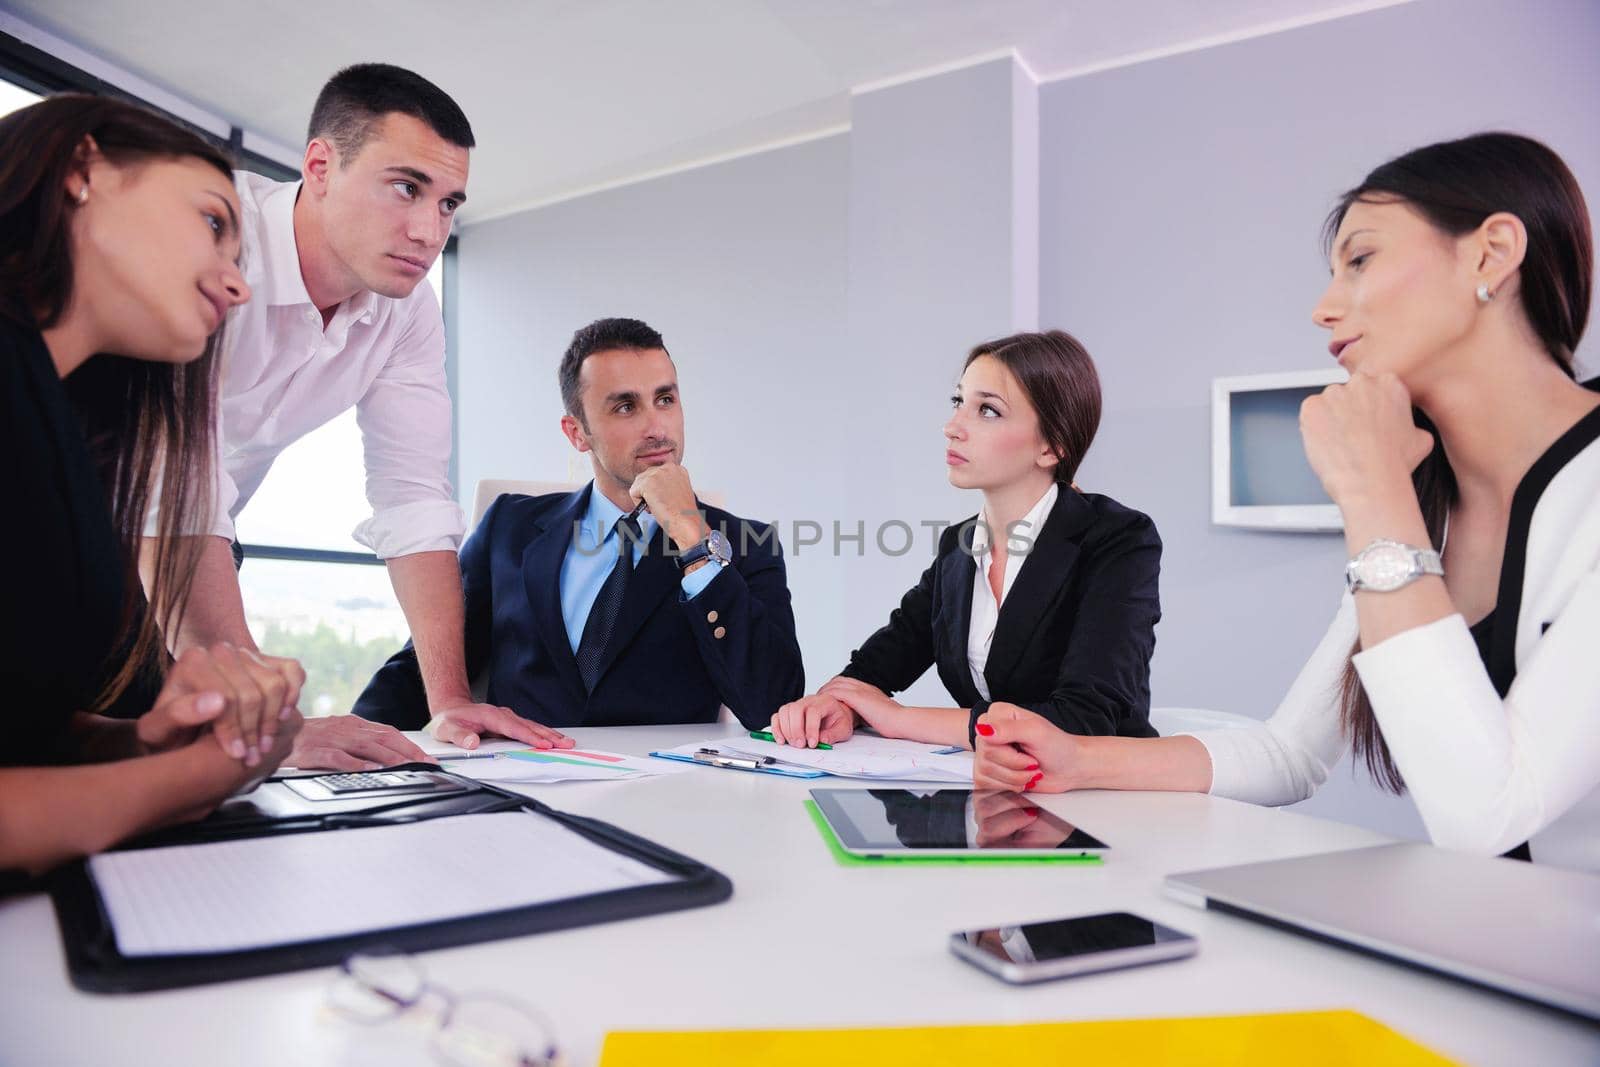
(607, 605)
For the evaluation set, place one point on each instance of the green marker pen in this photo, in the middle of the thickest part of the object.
(766, 735)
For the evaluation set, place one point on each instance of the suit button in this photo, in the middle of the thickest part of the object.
(720, 632)
(711, 616)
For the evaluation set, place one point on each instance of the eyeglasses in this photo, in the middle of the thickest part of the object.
(480, 1030)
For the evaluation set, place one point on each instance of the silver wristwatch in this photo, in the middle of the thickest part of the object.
(714, 546)
(1384, 566)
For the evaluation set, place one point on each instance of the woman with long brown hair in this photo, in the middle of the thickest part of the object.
(1046, 599)
(1465, 460)
(118, 240)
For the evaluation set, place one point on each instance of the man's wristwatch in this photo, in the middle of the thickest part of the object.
(1384, 566)
(714, 546)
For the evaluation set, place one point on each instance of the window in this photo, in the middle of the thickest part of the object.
(340, 620)
(15, 97)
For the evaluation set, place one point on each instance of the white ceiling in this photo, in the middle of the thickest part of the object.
(568, 95)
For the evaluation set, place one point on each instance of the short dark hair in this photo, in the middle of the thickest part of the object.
(1060, 381)
(358, 97)
(601, 335)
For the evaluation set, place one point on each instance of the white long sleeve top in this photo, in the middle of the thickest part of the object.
(1486, 773)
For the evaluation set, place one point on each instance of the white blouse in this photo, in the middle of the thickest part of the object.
(985, 608)
(1486, 774)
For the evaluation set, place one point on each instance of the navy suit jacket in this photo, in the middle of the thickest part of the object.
(670, 660)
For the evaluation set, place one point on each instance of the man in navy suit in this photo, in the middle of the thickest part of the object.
(585, 614)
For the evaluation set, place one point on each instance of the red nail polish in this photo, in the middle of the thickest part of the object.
(985, 729)
(1034, 812)
(1033, 766)
(1030, 784)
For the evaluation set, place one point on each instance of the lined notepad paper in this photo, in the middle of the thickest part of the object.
(234, 895)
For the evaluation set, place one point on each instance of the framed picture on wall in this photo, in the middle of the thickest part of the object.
(1260, 477)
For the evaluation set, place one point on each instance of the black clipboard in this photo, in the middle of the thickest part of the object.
(95, 965)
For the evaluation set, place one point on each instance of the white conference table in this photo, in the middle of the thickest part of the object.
(804, 942)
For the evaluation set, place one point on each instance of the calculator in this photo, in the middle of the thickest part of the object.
(351, 786)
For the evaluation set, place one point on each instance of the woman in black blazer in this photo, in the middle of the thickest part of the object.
(1047, 599)
(118, 234)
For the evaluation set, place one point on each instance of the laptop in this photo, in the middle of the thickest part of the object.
(1530, 931)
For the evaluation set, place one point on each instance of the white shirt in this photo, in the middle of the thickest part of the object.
(284, 375)
(985, 608)
(1486, 774)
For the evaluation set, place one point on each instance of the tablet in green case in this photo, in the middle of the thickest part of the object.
(850, 859)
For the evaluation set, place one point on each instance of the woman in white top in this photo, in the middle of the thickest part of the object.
(1461, 285)
(1048, 600)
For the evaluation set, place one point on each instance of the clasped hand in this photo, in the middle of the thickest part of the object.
(248, 700)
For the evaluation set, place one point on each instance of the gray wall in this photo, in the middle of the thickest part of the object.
(819, 298)
(1181, 206)
(942, 179)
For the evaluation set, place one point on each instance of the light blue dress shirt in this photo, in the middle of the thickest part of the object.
(592, 554)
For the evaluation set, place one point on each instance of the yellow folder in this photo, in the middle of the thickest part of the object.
(1306, 1039)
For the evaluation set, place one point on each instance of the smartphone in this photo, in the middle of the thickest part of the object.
(1036, 952)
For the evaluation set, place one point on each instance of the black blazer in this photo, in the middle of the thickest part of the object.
(63, 600)
(671, 660)
(1074, 636)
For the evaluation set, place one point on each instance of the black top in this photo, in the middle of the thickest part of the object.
(1496, 633)
(63, 594)
(1074, 636)
(1502, 658)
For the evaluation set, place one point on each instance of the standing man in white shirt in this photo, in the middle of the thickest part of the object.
(340, 318)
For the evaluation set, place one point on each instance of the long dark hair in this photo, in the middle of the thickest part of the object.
(149, 425)
(1455, 185)
(1056, 373)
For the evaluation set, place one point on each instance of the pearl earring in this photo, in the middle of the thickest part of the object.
(1485, 294)
(83, 193)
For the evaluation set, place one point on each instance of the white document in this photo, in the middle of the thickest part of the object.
(233, 895)
(516, 761)
(558, 765)
(865, 756)
(445, 750)
(522, 772)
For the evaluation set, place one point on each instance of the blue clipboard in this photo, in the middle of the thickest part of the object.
(776, 768)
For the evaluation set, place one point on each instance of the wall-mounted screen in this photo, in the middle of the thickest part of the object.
(1260, 476)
